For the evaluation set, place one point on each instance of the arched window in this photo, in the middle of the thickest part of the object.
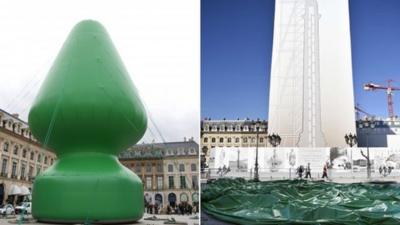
(221, 140)
(205, 140)
(15, 150)
(24, 153)
(245, 140)
(237, 128)
(213, 140)
(5, 147)
(237, 140)
(32, 155)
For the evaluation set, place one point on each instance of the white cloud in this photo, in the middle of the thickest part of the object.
(159, 42)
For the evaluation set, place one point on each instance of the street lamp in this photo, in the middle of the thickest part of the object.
(369, 123)
(351, 140)
(274, 140)
(256, 175)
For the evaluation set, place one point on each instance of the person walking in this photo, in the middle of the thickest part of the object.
(308, 171)
(325, 171)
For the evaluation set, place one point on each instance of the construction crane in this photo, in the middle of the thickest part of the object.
(389, 90)
(359, 110)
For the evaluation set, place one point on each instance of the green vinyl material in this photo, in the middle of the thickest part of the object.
(302, 202)
(88, 111)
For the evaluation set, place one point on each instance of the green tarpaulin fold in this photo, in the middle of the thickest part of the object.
(301, 202)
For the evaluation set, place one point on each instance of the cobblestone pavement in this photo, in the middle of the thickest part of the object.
(178, 218)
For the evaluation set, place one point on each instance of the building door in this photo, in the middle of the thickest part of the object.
(172, 199)
(159, 200)
(1, 193)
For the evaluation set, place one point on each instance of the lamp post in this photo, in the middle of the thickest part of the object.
(351, 140)
(274, 140)
(256, 174)
(369, 123)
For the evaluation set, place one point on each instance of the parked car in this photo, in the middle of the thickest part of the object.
(6, 209)
(25, 207)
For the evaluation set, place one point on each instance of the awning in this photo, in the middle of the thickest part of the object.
(25, 191)
(15, 190)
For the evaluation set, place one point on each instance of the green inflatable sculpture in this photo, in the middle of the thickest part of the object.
(88, 111)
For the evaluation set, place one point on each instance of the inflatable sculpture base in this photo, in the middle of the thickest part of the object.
(88, 111)
(97, 190)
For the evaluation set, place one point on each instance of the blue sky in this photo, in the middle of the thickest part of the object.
(236, 49)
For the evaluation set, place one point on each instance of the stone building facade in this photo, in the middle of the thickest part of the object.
(232, 133)
(22, 158)
(169, 171)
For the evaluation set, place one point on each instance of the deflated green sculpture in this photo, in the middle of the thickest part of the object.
(88, 111)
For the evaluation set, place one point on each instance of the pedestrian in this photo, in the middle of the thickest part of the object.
(325, 171)
(308, 171)
(300, 171)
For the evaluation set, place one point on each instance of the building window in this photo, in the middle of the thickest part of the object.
(229, 140)
(159, 168)
(205, 140)
(23, 171)
(221, 140)
(253, 140)
(245, 140)
(213, 140)
(148, 183)
(4, 168)
(170, 168)
(222, 128)
(5, 147)
(37, 170)
(15, 150)
(45, 160)
(237, 140)
(39, 158)
(183, 182)
(138, 168)
(181, 167)
(51, 161)
(261, 140)
(32, 155)
(30, 172)
(230, 128)
(148, 167)
(193, 167)
(159, 182)
(14, 170)
(195, 182)
(24, 153)
(238, 128)
(246, 128)
(214, 128)
(171, 184)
